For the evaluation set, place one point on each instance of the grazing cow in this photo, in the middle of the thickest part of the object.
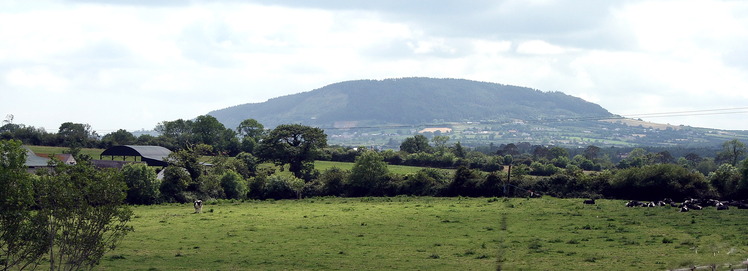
(198, 206)
(634, 203)
(684, 209)
(589, 201)
(721, 206)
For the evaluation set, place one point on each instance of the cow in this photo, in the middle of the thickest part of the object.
(634, 203)
(198, 206)
(721, 206)
(684, 208)
(589, 201)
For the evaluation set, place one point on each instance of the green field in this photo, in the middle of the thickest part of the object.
(398, 169)
(411, 233)
(94, 153)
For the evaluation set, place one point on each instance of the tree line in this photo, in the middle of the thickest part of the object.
(238, 155)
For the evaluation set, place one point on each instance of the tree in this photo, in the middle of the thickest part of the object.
(250, 128)
(416, 144)
(208, 130)
(177, 134)
(75, 134)
(591, 152)
(82, 212)
(726, 180)
(440, 142)
(22, 242)
(189, 159)
(556, 152)
(458, 150)
(293, 144)
(334, 181)
(368, 175)
(732, 152)
(119, 137)
(174, 184)
(234, 185)
(142, 185)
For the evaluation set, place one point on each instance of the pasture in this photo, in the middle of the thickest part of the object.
(425, 233)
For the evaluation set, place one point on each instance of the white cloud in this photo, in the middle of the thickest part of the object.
(169, 61)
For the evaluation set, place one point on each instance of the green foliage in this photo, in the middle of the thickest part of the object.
(540, 169)
(732, 152)
(334, 181)
(250, 128)
(726, 180)
(174, 185)
(76, 135)
(142, 185)
(654, 182)
(464, 183)
(246, 164)
(209, 187)
(83, 212)
(293, 144)
(416, 144)
(189, 159)
(369, 175)
(234, 185)
(425, 182)
(119, 137)
(22, 240)
(280, 187)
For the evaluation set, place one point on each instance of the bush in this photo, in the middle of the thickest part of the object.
(654, 182)
(175, 182)
(425, 182)
(279, 187)
(333, 181)
(142, 185)
(234, 186)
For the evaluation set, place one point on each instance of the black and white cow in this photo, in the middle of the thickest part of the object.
(198, 206)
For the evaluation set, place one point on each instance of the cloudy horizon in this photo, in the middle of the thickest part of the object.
(130, 65)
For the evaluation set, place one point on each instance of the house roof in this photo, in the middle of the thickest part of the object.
(32, 160)
(152, 155)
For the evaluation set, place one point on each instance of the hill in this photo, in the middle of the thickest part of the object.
(383, 112)
(411, 101)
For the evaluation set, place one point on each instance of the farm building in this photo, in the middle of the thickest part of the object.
(35, 162)
(151, 155)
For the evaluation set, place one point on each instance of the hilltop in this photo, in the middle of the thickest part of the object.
(383, 112)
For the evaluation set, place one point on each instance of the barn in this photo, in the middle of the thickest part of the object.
(151, 155)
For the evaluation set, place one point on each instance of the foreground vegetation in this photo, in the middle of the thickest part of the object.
(426, 233)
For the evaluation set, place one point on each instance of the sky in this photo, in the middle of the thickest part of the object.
(132, 64)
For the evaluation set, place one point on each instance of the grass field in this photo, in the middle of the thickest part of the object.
(94, 153)
(398, 169)
(412, 233)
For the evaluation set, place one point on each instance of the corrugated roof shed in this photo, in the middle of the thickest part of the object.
(152, 155)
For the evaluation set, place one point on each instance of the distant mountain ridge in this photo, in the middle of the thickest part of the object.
(411, 101)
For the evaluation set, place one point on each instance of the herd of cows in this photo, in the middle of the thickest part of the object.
(686, 205)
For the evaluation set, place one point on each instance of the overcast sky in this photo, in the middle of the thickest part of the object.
(130, 66)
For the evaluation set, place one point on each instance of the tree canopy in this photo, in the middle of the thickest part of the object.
(293, 144)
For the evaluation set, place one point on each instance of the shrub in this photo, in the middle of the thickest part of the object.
(175, 182)
(234, 186)
(142, 185)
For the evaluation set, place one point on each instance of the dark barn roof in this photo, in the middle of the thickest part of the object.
(152, 155)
